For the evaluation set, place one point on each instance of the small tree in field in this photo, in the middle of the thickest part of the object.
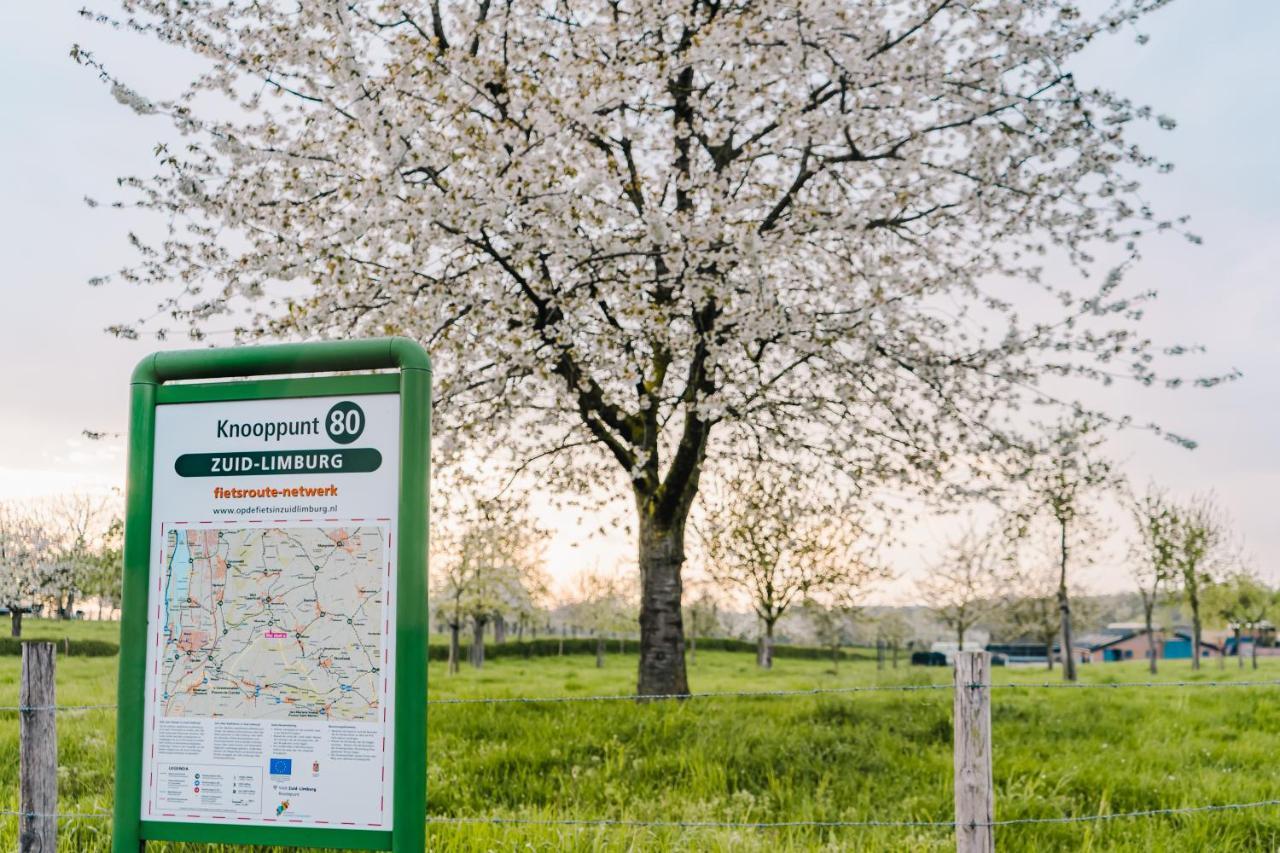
(602, 606)
(966, 585)
(24, 546)
(1154, 555)
(1241, 601)
(1204, 552)
(774, 538)
(630, 231)
(892, 631)
(488, 559)
(702, 616)
(104, 577)
(77, 527)
(1065, 475)
(833, 622)
(1031, 603)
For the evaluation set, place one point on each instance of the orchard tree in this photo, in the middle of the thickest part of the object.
(628, 231)
(701, 615)
(1064, 476)
(602, 606)
(832, 620)
(1204, 554)
(1154, 554)
(1030, 606)
(487, 559)
(1242, 600)
(24, 547)
(776, 537)
(78, 530)
(965, 586)
(104, 577)
(892, 630)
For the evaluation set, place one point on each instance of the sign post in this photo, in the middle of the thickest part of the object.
(274, 636)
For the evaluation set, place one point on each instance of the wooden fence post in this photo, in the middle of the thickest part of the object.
(37, 752)
(975, 795)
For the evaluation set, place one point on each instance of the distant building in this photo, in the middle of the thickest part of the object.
(1122, 641)
(1021, 651)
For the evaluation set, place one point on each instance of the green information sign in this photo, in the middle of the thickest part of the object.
(274, 636)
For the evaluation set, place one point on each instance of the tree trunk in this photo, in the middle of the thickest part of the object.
(499, 628)
(1253, 650)
(15, 622)
(455, 647)
(1239, 654)
(1068, 656)
(1195, 630)
(477, 641)
(764, 651)
(599, 651)
(1064, 607)
(1147, 613)
(880, 654)
(560, 648)
(662, 667)
(894, 646)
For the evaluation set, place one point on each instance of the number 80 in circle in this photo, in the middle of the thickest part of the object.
(345, 422)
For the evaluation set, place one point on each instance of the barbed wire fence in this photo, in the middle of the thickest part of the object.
(974, 821)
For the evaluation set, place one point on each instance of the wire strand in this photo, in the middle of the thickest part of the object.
(749, 694)
(691, 824)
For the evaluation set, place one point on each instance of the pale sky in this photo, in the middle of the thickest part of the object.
(1209, 65)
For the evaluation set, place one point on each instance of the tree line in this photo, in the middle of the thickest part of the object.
(55, 551)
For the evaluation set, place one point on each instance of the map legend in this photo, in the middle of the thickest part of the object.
(209, 787)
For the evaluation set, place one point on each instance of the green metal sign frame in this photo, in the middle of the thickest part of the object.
(151, 387)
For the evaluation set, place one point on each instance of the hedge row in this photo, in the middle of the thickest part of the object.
(77, 648)
(551, 646)
(541, 647)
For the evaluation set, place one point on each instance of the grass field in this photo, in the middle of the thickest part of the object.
(859, 756)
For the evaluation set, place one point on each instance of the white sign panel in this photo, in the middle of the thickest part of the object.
(271, 619)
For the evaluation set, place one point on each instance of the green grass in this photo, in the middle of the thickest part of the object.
(884, 756)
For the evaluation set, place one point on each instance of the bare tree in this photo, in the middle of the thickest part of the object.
(1154, 555)
(966, 585)
(776, 537)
